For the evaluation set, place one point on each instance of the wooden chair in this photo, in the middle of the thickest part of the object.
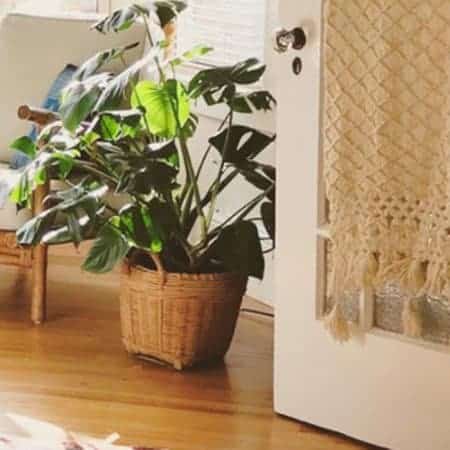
(34, 259)
(26, 78)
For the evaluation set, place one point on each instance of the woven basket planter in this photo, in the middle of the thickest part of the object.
(180, 319)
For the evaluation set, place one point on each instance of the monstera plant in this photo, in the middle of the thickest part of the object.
(123, 146)
(121, 136)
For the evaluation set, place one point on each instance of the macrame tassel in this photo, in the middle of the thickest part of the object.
(409, 274)
(412, 318)
(415, 277)
(437, 279)
(337, 325)
(370, 271)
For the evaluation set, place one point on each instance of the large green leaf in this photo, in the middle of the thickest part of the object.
(113, 92)
(121, 19)
(68, 208)
(62, 234)
(26, 146)
(32, 176)
(56, 163)
(79, 99)
(238, 249)
(190, 127)
(119, 124)
(35, 229)
(255, 101)
(49, 131)
(22, 191)
(167, 10)
(268, 217)
(167, 107)
(219, 85)
(166, 151)
(154, 175)
(262, 176)
(153, 169)
(96, 62)
(85, 199)
(244, 143)
(164, 216)
(61, 140)
(110, 247)
(192, 54)
(247, 72)
(141, 227)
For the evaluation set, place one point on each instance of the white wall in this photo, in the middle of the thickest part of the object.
(53, 5)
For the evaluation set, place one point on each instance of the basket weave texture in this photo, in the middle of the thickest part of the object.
(11, 253)
(181, 319)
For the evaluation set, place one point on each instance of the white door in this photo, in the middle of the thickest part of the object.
(382, 389)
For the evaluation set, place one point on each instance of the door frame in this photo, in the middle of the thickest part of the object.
(381, 388)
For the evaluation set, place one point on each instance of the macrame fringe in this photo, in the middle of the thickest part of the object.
(371, 269)
(437, 279)
(412, 319)
(408, 273)
(337, 325)
(415, 277)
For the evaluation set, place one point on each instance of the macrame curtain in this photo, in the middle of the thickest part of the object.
(386, 142)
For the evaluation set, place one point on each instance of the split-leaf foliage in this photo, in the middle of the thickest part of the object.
(124, 149)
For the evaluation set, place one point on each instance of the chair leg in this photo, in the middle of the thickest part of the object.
(39, 288)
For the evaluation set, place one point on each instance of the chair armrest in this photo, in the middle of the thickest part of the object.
(40, 117)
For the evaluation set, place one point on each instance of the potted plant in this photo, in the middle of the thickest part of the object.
(183, 275)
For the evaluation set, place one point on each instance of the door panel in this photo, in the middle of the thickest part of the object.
(382, 389)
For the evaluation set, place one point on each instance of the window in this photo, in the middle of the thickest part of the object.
(236, 29)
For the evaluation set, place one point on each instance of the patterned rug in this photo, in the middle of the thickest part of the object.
(45, 436)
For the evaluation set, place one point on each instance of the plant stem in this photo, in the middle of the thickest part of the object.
(159, 266)
(140, 199)
(189, 219)
(193, 182)
(111, 209)
(179, 235)
(162, 77)
(248, 208)
(216, 184)
(190, 174)
(89, 168)
(187, 194)
(133, 89)
(236, 217)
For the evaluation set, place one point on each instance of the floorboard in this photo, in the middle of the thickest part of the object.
(74, 371)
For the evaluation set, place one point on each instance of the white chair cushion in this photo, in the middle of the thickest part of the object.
(34, 49)
(10, 220)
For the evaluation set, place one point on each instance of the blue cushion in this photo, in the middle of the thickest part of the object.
(51, 103)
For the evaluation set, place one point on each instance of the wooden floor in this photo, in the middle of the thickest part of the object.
(74, 371)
